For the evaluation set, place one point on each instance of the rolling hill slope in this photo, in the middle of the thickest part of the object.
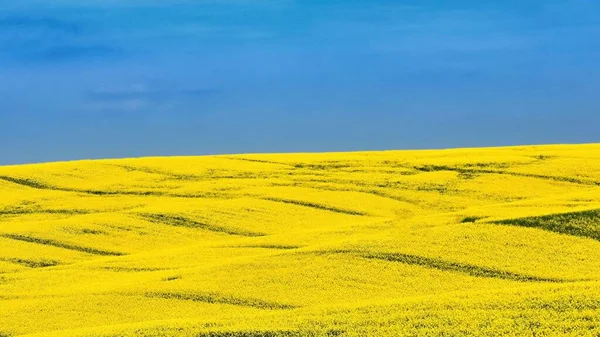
(498, 241)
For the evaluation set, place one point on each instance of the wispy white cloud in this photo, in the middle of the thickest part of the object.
(142, 95)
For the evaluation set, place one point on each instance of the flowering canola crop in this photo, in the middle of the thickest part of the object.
(463, 242)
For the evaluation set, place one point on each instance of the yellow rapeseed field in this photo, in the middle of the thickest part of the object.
(464, 242)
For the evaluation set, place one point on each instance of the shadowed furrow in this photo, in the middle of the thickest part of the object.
(180, 221)
(358, 187)
(315, 205)
(267, 246)
(31, 263)
(132, 269)
(40, 186)
(16, 211)
(471, 219)
(469, 269)
(37, 185)
(59, 244)
(583, 224)
(27, 182)
(257, 161)
(252, 333)
(166, 174)
(220, 299)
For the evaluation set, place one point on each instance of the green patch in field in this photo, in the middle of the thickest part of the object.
(172, 278)
(471, 219)
(543, 157)
(438, 188)
(584, 223)
(487, 165)
(434, 168)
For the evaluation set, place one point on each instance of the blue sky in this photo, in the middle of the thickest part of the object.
(107, 78)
